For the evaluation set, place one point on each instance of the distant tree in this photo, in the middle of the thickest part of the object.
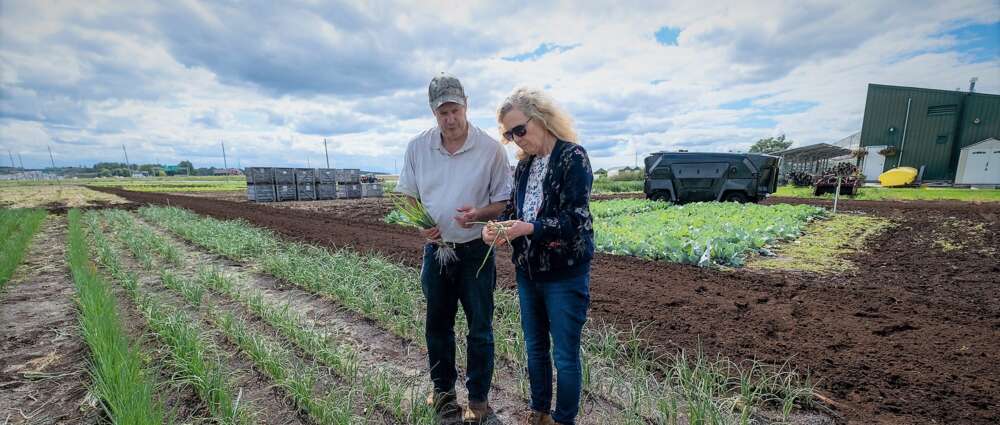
(121, 172)
(159, 173)
(186, 165)
(104, 172)
(771, 145)
(150, 168)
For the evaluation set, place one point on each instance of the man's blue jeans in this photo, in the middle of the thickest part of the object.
(558, 308)
(443, 289)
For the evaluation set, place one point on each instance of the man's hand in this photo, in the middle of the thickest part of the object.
(465, 215)
(432, 234)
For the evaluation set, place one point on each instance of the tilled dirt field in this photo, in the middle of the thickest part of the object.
(910, 337)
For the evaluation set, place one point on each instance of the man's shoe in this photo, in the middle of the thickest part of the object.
(477, 412)
(539, 418)
(443, 403)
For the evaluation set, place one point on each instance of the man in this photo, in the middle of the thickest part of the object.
(460, 175)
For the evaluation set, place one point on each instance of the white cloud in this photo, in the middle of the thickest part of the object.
(171, 81)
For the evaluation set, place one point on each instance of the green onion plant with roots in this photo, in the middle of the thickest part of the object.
(411, 212)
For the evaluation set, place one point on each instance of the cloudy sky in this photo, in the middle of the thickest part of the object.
(172, 79)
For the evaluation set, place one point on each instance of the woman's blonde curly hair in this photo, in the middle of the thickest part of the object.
(539, 107)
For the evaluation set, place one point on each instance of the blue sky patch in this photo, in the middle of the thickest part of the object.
(542, 50)
(978, 42)
(784, 108)
(667, 36)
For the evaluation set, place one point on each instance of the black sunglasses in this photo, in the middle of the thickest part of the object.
(518, 131)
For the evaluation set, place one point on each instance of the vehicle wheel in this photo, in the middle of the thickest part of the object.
(735, 197)
(660, 195)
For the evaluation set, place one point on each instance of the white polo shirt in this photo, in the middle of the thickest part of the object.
(476, 175)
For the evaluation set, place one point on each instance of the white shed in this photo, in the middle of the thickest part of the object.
(979, 163)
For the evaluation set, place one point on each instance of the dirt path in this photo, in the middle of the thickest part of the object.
(43, 360)
(909, 338)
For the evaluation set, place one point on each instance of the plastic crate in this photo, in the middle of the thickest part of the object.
(348, 175)
(260, 175)
(305, 176)
(306, 192)
(284, 176)
(349, 190)
(371, 190)
(326, 175)
(262, 193)
(326, 191)
(285, 192)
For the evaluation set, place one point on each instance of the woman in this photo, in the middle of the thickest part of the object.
(550, 229)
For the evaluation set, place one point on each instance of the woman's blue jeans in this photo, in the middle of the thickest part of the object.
(558, 309)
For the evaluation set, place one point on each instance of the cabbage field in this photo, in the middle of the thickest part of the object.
(705, 233)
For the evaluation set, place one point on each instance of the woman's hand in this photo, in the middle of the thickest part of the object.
(502, 231)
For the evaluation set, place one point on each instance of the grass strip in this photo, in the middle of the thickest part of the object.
(124, 387)
(17, 227)
(196, 361)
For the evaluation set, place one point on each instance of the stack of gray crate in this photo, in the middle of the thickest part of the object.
(326, 184)
(260, 184)
(348, 182)
(305, 184)
(371, 190)
(266, 184)
(284, 184)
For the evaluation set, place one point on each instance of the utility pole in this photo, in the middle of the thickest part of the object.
(53, 161)
(12, 166)
(327, 152)
(127, 165)
(308, 162)
(21, 160)
(225, 163)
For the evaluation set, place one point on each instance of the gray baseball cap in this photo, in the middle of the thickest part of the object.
(443, 89)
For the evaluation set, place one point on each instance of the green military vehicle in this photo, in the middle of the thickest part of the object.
(694, 176)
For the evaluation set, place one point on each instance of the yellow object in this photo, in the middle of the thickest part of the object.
(900, 176)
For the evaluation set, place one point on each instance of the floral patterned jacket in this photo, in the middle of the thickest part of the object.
(562, 243)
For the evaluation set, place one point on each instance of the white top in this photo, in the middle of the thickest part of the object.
(476, 175)
(533, 194)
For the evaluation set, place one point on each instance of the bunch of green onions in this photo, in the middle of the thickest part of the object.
(501, 231)
(411, 212)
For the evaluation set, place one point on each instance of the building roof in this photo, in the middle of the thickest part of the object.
(927, 90)
(850, 142)
(815, 151)
(987, 140)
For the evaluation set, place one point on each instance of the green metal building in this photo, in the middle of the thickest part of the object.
(926, 127)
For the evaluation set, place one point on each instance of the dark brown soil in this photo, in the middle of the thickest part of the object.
(910, 337)
(43, 360)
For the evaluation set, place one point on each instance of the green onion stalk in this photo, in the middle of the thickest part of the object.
(501, 231)
(414, 214)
